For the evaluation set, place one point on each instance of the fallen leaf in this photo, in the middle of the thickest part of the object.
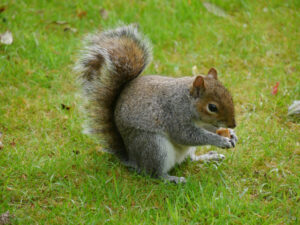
(6, 38)
(39, 11)
(63, 106)
(1, 145)
(215, 10)
(76, 152)
(2, 8)
(29, 72)
(294, 109)
(13, 143)
(81, 14)
(104, 14)
(74, 30)
(60, 22)
(275, 89)
(5, 218)
(195, 70)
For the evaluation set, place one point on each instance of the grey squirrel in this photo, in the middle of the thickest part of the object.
(151, 122)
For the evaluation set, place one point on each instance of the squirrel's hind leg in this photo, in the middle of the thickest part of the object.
(151, 153)
(130, 164)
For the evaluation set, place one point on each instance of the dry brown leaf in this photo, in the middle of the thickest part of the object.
(6, 38)
(13, 143)
(1, 145)
(104, 14)
(74, 30)
(63, 106)
(60, 22)
(76, 152)
(81, 14)
(2, 8)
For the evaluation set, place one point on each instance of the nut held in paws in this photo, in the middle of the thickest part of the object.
(223, 132)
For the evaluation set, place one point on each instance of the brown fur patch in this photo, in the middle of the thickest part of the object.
(213, 73)
(217, 94)
(112, 59)
(198, 86)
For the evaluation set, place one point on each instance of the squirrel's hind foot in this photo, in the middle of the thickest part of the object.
(174, 179)
(130, 164)
(211, 156)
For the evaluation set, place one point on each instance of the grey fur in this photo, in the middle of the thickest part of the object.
(154, 110)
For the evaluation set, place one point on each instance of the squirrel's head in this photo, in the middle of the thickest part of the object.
(213, 102)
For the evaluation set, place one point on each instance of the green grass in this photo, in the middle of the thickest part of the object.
(50, 173)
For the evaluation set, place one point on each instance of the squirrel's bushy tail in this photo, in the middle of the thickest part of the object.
(109, 60)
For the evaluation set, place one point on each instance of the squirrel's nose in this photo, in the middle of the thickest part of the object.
(232, 124)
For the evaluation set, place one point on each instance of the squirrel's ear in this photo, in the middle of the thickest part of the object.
(213, 73)
(199, 82)
(198, 86)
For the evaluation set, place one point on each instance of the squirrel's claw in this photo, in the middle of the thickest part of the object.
(226, 143)
(233, 137)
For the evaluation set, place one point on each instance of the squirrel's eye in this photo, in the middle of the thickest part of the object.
(213, 108)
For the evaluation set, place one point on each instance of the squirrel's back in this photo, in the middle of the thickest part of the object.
(143, 102)
(108, 61)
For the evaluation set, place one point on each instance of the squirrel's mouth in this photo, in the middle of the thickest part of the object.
(211, 128)
(207, 126)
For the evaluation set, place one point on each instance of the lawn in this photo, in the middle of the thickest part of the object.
(51, 173)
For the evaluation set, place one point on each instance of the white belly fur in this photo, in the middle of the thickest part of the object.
(175, 154)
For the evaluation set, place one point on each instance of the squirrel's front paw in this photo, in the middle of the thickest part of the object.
(226, 143)
(233, 137)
